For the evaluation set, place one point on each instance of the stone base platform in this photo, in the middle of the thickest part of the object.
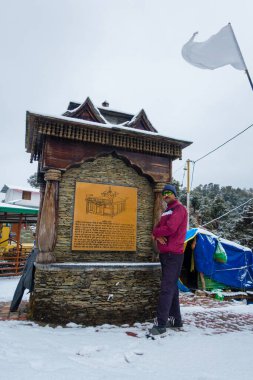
(95, 293)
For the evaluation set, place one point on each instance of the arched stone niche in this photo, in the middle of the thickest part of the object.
(113, 171)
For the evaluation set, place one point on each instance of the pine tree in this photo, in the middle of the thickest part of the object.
(210, 201)
(243, 228)
(32, 180)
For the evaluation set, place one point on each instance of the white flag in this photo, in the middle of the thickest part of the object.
(219, 50)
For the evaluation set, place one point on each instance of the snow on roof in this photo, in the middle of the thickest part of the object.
(14, 201)
(88, 100)
(119, 127)
(233, 244)
(18, 187)
(206, 232)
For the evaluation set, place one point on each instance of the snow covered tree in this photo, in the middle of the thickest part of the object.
(32, 180)
(243, 228)
(210, 201)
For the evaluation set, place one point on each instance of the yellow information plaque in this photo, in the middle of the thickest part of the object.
(105, 218)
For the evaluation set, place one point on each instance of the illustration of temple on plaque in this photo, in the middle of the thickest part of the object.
(109, 204)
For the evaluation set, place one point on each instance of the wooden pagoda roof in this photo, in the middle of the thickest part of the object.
(88, 123)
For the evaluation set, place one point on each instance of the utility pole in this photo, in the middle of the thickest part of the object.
(188, 193)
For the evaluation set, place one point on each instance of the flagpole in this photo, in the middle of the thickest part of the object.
(188, 194)
(239, 50)
(249, 78)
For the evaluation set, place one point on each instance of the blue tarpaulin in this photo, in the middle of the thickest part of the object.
(237, 272)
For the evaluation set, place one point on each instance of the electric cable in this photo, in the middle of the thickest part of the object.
(212, 151)
(192, 172)
(249, 200)
(232, 138)
(183, 166)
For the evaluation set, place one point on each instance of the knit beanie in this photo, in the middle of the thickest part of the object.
(170, 187)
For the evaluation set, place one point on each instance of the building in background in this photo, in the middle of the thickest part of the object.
(21, 196)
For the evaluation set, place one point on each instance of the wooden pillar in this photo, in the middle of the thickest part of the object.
(158, 210)
(47, 230)
(158, 204)
(42, 194)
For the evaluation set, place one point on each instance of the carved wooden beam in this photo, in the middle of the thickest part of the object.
(66, 153)
(48, 218)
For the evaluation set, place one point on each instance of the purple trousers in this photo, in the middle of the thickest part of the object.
(168, 303)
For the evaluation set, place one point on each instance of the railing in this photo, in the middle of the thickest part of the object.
(13, 261)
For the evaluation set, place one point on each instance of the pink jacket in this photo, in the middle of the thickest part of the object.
(172, 226)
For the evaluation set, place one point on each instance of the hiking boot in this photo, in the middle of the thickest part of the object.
(172, 323)
(157, 330)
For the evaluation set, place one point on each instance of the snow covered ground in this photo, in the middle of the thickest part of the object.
(7, 289)
(215, 344)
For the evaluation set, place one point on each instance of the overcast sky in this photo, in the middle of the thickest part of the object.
(129, 53)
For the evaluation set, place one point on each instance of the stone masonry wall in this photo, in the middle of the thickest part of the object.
(94, 296)
(113, 171)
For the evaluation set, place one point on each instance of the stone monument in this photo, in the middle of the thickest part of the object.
(101, 173)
